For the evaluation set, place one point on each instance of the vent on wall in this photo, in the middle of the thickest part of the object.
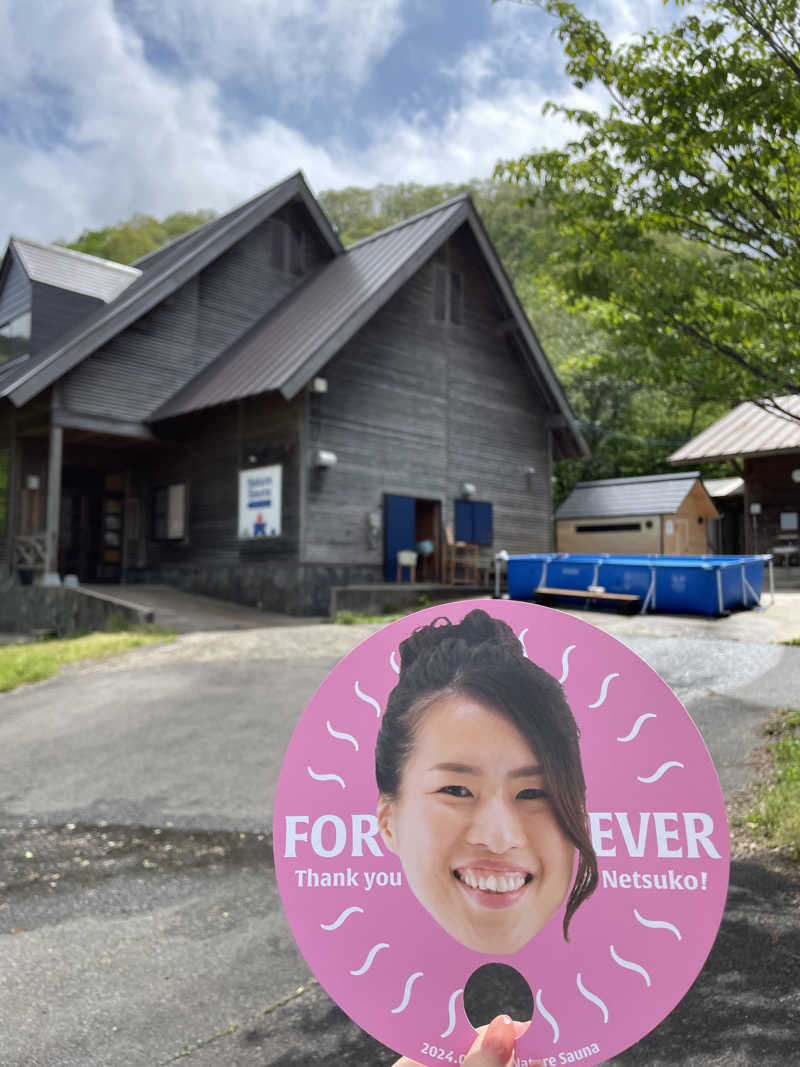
(609, 527)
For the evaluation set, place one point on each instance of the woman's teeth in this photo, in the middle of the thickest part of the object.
(504, 883)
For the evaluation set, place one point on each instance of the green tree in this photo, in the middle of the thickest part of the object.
(130, 240)
(678, 209)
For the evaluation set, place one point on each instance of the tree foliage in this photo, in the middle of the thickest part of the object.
(678, 209)
(130, 240)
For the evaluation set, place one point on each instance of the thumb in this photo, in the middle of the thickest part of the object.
(495, 1046)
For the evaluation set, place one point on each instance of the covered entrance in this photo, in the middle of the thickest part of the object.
(92, 524)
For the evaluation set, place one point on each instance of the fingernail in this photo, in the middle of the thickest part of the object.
(498, 1040)
(521, 1028)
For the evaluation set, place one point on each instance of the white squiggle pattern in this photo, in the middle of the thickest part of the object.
(565, 663)
(637, 727)
(522, 641)
(338, 922)
(393, 663)
(658, 924)
(368, 700)
(604, 690)
(593, 997)
(662, 770)
(546, 1015)
(406, 994)
(373, 952)
(630, 966)
(451, 1013)
(342, 737)
(326, 777)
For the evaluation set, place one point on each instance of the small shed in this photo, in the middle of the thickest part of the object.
(665, 513)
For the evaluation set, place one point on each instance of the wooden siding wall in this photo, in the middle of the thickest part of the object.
(55, 312)
(417, 407)
(138, 370)
(768, 482)
(642, 541)
(207, 452)
(16, 295)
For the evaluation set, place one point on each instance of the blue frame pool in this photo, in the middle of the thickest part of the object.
(700, 585)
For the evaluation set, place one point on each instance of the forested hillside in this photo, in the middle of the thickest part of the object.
(630, 423)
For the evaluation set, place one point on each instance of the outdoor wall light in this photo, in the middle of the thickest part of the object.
(468, 490)
(796, 474)
(324, 458)
(318, 385)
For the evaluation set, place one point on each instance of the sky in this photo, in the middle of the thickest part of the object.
(111, 107)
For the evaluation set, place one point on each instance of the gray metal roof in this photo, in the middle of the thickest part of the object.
(723, 487)
(286, 349)
(745, 431)
(75, 271)
(660, 494)
(161, 275)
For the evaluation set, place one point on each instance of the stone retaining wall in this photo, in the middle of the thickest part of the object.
(25, 608)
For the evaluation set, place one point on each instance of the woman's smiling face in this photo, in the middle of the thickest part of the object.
(473, 826)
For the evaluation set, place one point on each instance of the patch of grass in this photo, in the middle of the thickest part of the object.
(38, 660)
(775, 816)
(355, 618)
(792, 641)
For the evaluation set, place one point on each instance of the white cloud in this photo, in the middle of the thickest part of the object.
(96, 131)
(308, 49)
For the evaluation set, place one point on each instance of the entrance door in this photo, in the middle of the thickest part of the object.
(91, 530)
(407, 522)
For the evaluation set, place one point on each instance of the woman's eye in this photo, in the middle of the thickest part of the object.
(531, 794)
(455, 791)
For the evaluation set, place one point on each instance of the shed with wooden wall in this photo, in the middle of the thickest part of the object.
(666, 514)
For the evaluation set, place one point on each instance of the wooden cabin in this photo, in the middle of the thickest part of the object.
(761, 441)
(255, 412)
(666, 514)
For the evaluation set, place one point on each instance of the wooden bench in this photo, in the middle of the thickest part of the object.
(628, 603)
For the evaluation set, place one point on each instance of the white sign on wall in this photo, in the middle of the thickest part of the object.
(260, 501)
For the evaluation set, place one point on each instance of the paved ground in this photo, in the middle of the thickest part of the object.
(189, 613)
(139, 918)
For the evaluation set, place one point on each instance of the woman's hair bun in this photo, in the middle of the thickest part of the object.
(475, 629)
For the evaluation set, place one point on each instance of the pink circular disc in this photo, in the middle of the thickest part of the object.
(658, 828)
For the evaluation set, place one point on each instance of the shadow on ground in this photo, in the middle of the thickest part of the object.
(742, 1010)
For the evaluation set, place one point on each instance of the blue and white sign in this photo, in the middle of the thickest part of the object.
(260, 502)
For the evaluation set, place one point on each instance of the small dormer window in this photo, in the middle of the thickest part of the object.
(15, 336)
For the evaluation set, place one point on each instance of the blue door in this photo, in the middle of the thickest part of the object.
(399, 532)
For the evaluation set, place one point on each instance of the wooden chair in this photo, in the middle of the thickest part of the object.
(459, 561)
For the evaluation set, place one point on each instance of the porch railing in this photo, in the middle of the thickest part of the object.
(30, 552)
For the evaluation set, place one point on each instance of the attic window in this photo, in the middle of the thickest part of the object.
(448, 288)
(287, 247)
(15, 336)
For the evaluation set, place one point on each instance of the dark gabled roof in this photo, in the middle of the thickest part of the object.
(65, 268)
(289, 345)
(660, 494)
(162, 273)
(748, 430)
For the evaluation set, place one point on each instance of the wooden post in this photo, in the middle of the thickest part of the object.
(53, 504)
